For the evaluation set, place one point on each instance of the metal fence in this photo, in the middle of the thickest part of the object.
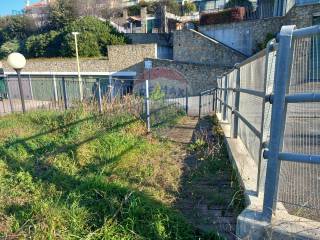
(271, 101)
(97, 93)
(60, 92)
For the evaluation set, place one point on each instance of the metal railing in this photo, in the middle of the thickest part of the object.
(271, 101)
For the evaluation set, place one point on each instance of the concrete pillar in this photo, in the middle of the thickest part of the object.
(125, 13)
(143, 15)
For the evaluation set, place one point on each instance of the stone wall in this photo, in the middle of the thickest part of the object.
(127, 56)
(193, 47)
(198, 76)
(302, 16)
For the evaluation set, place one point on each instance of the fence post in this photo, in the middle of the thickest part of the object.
(236, 106)
(220, 97)
(200, 104)
(213, 99)
(147, 102)
(187, 100)
(55, 91)
(9, 94)
(282, 78)
(99, 95)
(266, 70)
(23, 104)
(30, 85)
(110, 89)
(216, 100)
(225, 98)
(64, 91)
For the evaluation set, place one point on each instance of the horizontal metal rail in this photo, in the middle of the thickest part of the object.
(251, 92)
(303, 97)
(305, 32)
(227, 105)
(295, 157)
(249, 125)
(208, 91)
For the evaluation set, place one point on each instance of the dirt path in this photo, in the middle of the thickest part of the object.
(208, 192)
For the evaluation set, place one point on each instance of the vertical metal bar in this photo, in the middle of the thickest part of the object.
(213, 100)
(187, 100)
(110, 88)
(23, 104)
(30, 85)
(220, 97)
(147, 102)
(55, 91)
(200, 104)
(216, 100)
(65, 95)
(9, 94)
(236, 107)
(99, 95)
(224, 116)
(282, 77)
(266, 69)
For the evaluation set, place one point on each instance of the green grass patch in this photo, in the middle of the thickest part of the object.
(80, 175)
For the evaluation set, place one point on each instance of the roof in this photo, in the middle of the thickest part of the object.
(37, 5)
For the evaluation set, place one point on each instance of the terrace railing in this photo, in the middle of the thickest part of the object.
(271, 101)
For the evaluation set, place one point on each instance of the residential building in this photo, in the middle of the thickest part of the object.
(38, 11)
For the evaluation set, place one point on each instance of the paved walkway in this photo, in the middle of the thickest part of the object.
(205, 196)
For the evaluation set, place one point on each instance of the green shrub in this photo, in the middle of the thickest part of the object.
(9, 47)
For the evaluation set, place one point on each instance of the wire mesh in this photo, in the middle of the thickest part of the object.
(252, 77)
(299, 186)
(59, 93)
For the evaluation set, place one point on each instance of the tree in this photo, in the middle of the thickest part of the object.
(16, 27)
(239, 3)
(95, 36)
(189, 7)
(9, 47)
(104, 34)
(61, 13)
(42, 45)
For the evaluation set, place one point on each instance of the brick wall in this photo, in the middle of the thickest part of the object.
(193, 47)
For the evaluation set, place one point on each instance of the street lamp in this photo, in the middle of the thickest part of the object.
(17, 61)
(75, 34)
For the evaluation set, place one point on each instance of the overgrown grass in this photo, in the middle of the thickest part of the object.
(80, 175)
(216, 166)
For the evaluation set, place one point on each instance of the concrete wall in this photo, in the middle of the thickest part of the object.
(162, 39)
(247, 35)
(192, 46)
(244, 36)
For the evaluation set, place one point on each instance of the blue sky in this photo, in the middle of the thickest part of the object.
(6, 6)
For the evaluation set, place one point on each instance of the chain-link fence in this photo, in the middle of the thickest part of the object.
(271, 101)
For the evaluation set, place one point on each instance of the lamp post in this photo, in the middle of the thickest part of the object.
(75, 34)
(17, 61)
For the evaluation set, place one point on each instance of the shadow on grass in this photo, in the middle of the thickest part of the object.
(209, 189)
(111, 207)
